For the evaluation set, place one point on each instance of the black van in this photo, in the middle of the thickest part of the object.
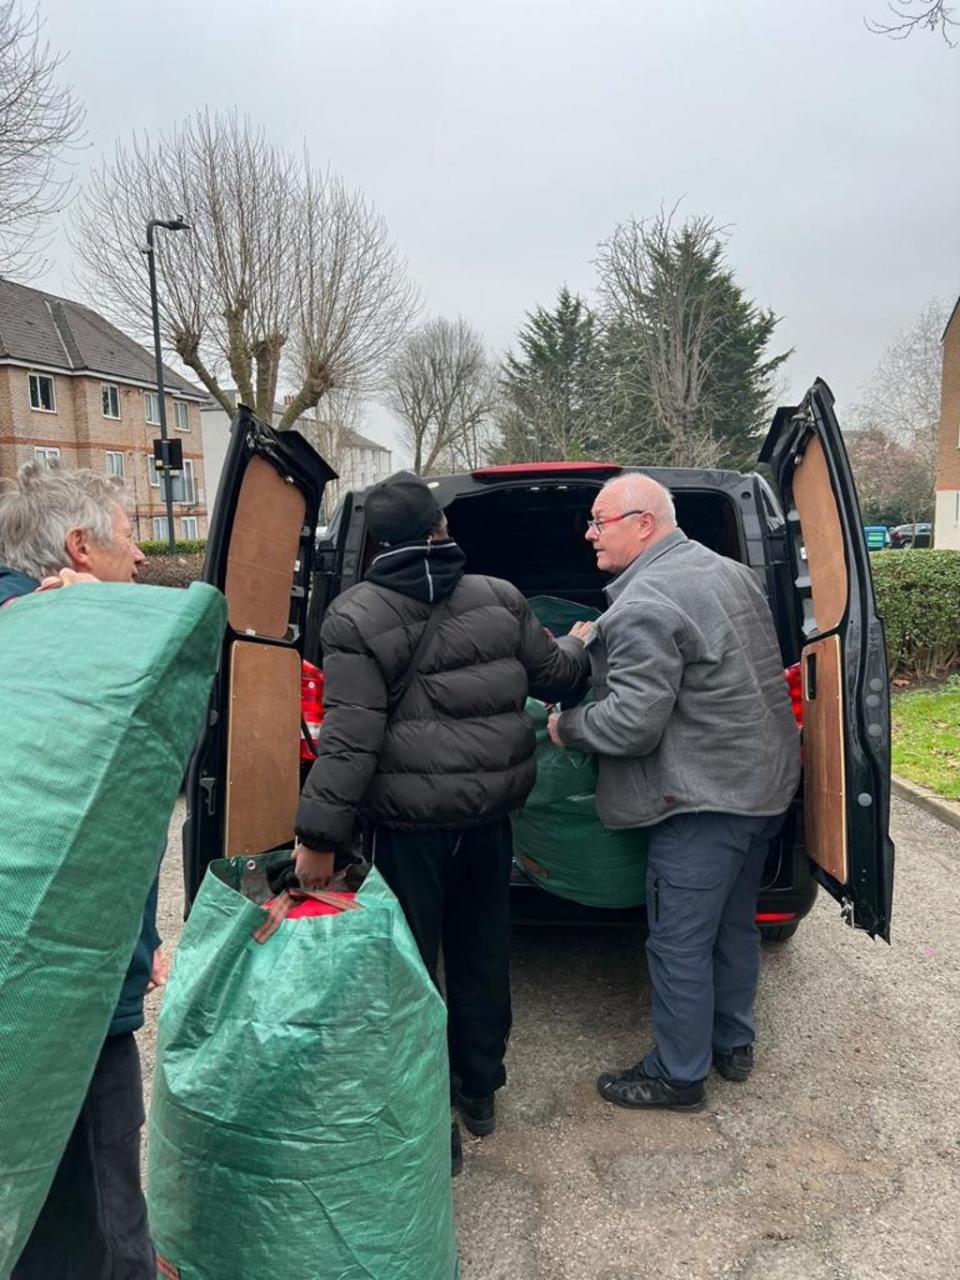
(803, 536)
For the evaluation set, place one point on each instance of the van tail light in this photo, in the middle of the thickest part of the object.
(311, 709)
(775, 917)
(795, 689)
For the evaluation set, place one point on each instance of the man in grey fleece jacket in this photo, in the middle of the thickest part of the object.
(696, 740)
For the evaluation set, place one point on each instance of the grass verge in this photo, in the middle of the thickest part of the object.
(926, 738)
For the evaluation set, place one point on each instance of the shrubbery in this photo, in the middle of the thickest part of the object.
(918, 597)
(185, 547)
(166, 568)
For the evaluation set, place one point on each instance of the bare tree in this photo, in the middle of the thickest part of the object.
(902, 398)
(913, 15)
(286, 276)
(443, 389)
(893, 481)
(685, 346)
(39, 119)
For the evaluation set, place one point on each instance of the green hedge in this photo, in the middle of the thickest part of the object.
(918, 597)
(185, 547)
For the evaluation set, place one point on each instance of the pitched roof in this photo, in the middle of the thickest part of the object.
(40, 328)
(353, 439)
(956, 308)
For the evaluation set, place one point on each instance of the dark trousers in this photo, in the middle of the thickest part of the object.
(93, 1225)
(703, 949)
(454, 887)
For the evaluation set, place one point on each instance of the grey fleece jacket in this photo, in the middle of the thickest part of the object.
(691, 710)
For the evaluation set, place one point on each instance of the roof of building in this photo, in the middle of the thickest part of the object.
(956, 309)
(41, 329)
(354, 439)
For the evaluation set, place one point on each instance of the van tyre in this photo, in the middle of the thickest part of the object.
(778, 932)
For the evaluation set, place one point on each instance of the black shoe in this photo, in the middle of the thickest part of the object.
(735, 1064)
(456, 1150)
(636, 1089)
(477, 1114)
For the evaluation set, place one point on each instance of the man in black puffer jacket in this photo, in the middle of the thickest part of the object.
(435, 769)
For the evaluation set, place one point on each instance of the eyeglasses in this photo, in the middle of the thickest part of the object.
(597, 526)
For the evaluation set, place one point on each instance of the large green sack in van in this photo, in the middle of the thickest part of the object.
(559, 615)
(103, 690)
(559, 841)
(300, 1122)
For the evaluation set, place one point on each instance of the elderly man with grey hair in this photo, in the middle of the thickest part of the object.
(696, 741)
(58, 528)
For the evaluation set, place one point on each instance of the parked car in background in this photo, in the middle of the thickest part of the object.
(912, 535)
(877, 536)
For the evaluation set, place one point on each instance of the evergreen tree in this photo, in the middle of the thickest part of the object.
(553, 387)
(688, 376)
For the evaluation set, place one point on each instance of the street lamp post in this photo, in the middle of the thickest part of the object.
(174, 224)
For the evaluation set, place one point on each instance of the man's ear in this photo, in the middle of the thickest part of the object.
(76, 544)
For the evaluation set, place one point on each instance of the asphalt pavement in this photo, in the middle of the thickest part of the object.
(838, 1160)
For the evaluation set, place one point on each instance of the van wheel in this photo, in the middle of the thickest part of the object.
(778, 932)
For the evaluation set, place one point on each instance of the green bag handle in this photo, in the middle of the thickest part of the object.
(279, 909)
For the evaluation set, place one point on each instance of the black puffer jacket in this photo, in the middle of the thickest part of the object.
(458, 749)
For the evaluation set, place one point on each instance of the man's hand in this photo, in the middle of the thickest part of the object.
(313, 869)
(66, 578)
(554, 732)
(160, 971)
(583, 630)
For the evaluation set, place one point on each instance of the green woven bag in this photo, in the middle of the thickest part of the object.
(103, 691)
(300, 1122)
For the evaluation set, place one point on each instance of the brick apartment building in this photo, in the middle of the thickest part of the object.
(74, 389)
(946, 529)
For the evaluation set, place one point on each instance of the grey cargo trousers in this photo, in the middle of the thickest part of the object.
(703, 949)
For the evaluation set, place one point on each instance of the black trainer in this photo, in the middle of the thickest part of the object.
(456, 1150)
(734, 1064)
(477, 1114)
(634, 1088)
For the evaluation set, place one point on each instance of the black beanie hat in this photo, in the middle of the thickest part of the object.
(400, 509)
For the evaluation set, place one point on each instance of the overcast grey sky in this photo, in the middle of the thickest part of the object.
(503, 141)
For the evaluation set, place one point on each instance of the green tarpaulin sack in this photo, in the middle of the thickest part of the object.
(559, 841)
(103, 691)
(300, 1122)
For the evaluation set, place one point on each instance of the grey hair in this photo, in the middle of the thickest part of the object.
(40, 507)
(645, 492)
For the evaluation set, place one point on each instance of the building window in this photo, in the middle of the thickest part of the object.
(160, 533)
(183, 415)
(110, 396)
(152, 474)
(151, 408)
(46, 455)
(184, 489)
(114, 464)
(188, 527)
(41, 393)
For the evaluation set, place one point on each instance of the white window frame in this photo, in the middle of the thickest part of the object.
(119, 466)
(153, 475)
(46, 454)
(106, 388)
(188, 486)
(36, 378)
(186, 524)
(160, 529)
(182, 408)
(151, 397)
